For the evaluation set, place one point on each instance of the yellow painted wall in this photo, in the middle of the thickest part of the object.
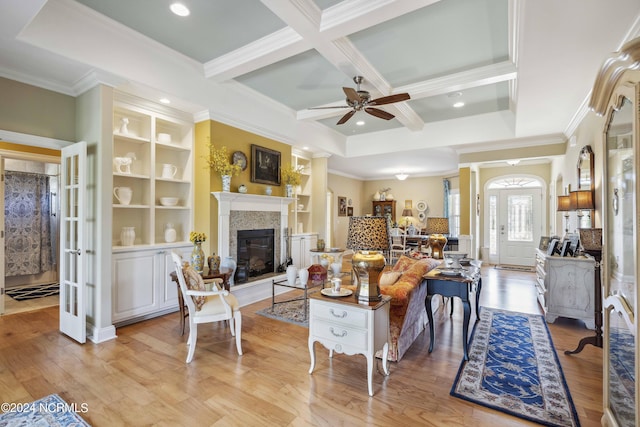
(352, 189)
(465, 201)
(207, 181)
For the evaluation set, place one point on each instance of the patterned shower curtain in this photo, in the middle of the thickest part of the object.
(27, 211)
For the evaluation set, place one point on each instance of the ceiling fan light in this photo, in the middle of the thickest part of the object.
(402, 176)
(360, 122)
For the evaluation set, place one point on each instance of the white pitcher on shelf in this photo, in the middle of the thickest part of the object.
(169, 171)
(123, 194)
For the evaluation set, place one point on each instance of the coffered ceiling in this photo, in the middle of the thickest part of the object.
(522, 68)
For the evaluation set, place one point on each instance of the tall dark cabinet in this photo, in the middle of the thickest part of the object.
(385, 208)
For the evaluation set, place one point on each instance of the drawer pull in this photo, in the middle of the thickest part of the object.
(340, 316)
(333, 332)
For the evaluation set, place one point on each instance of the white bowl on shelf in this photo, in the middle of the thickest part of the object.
(164, 138)
(169, 201)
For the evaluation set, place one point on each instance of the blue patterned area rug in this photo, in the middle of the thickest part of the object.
(514, 368)
(50, 411)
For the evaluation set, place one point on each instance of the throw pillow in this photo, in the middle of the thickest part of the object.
(403, 264)
(194, 283)
(388, 278)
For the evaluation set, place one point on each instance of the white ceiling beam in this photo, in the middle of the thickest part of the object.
(269, 49)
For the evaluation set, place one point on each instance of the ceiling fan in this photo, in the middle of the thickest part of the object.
(359, 100)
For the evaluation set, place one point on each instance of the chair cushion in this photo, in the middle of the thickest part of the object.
(214, 305)
(194, 283)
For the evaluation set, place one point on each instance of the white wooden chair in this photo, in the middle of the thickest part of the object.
(220, 305)
(398, 244)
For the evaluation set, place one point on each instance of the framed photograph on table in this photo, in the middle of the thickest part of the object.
(342, 206)
(544, 243)
(265, 165)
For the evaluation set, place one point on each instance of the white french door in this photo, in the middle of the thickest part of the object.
(73, 262)
(2, 286)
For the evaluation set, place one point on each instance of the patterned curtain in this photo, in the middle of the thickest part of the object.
(27, 211)
(447, 191)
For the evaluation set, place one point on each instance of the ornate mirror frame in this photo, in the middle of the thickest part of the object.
(617, 92)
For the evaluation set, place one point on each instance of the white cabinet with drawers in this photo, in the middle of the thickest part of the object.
(565, 287)
(345, 326)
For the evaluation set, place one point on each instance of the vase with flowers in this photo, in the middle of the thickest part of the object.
(220, 161)
(291, 176)
(197, 254)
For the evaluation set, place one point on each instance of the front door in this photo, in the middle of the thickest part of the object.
(73, 262)
(519, 225)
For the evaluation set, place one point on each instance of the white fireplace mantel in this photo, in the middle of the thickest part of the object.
(228, 202)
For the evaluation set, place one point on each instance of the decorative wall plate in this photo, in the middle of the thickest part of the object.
(239, 158)
(421, 205)
(422, 216)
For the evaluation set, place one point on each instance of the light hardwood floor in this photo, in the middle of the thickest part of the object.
(141, 378)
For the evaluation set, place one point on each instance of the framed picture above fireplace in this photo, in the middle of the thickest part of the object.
(265, 165)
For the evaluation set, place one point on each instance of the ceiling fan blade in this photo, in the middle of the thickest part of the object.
(346, 117)
(379, 113)
(322, 108)
(390, 99)
(352, 95)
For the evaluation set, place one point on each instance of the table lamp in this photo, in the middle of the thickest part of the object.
(564, 205)
(580, 201)
(436, 228)
(368, 235)
(407, 214)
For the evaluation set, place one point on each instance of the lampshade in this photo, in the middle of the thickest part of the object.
(581, 199)
(564, 204)
(407, 212)
(368, 235)
(437, 225)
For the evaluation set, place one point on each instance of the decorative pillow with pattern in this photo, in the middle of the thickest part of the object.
(194, 283)
(403, 264)
(388, 278)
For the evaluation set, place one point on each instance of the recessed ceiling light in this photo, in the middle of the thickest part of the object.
(360, 122)
(459, 104)
(179, 9)
(165, 100)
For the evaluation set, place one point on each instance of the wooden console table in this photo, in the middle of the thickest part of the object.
(453, 286)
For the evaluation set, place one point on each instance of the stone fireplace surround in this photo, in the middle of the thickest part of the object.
(237, 211)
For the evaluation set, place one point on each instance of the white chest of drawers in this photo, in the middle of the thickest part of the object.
(345, 326)
(565, 287)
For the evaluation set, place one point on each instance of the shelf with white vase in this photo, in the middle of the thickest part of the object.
(301, 209)
(152, 156)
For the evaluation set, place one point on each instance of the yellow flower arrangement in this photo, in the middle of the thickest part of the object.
(197, 237)
(218, 160)
(290, 175)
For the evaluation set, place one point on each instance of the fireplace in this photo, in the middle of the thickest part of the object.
(255, 255)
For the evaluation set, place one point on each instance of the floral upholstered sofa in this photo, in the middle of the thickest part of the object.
(407, 314)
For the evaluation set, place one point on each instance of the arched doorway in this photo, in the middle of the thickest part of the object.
(514, 208)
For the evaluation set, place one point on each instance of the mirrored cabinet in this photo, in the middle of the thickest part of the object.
(616, 97)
